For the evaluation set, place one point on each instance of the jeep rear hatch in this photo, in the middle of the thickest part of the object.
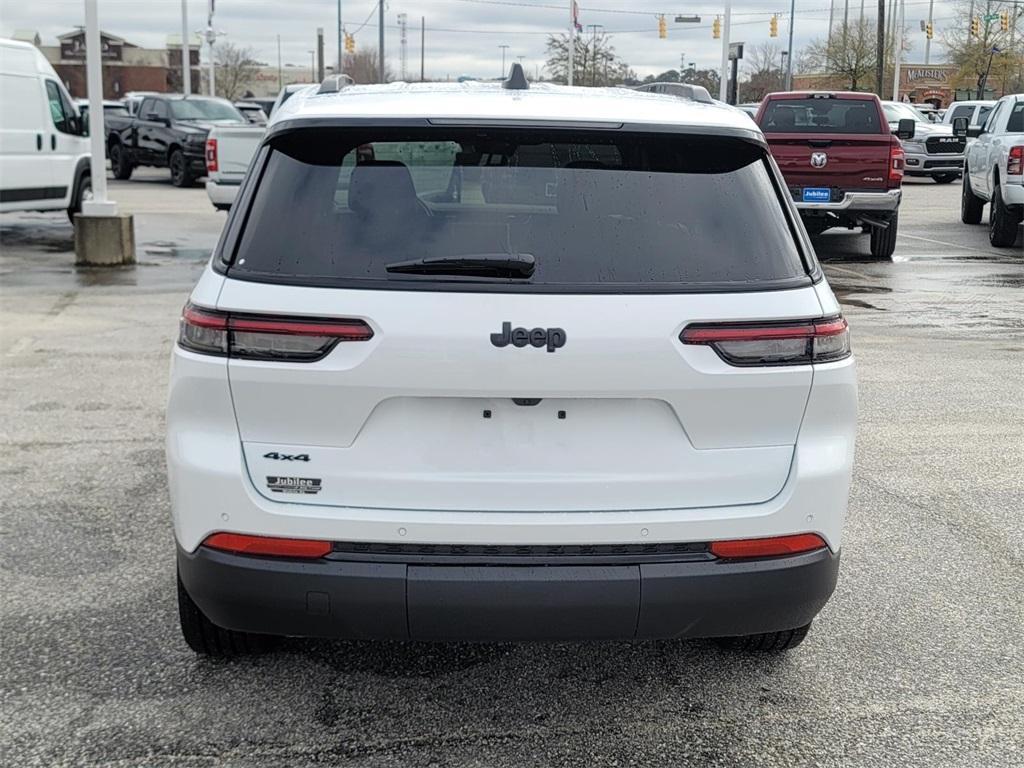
(471, 386)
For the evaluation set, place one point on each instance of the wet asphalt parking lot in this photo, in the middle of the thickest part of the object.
(918, 660)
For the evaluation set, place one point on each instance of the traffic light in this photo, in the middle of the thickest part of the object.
(773, 26)
(1004, 21)
(350, 43)
(976, 26)
(662, 27)
(716, 28)
(928, 30)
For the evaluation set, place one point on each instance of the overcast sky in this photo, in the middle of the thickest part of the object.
(462, 36)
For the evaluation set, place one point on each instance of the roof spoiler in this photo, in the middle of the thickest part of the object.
(334, 83)
(516, 79)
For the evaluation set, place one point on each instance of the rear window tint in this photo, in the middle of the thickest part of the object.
(1016, 122)
(598, 212)
(820, 115)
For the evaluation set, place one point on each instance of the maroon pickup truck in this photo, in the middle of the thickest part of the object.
(843, 166)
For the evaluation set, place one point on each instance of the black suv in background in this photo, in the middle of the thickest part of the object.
(168, 131)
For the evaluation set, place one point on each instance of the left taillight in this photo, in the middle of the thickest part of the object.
(897, 163)
(211, 155)
(793, 343)
(1015, 161)
(265, 337)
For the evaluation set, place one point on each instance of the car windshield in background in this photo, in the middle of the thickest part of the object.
(896, 112)
(820, 115)
(205, 109)
(600, 211)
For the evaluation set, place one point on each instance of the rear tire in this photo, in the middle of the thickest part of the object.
(120, 165)
(945, 178)
(1002, 222)
(207, 639)
(180, 177)
(970, 204)
(766, 642)
(883, 241)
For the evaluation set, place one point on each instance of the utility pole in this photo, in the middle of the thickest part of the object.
(789, 47)
(312, 66)
(380, 39)
(723, 77)
(880, 50)
(319, 55)
(186, 57)
(503, 49)
(593, 49)
(571, 53)
(423, 45)
(831, 17)
(898, 54)
(846, 21)
(402, 45)
(280, 80)
(341, 40)
(928, 39)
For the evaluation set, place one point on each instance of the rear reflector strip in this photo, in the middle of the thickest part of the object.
(791, 343)
(772, 547)
(256, 337)
(243, 544)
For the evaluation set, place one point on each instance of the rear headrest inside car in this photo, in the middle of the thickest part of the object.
(383, 188)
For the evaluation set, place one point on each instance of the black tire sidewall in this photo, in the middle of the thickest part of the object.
(178, 158)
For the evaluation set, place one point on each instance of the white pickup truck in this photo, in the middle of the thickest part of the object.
(229, 150)
(994, 170)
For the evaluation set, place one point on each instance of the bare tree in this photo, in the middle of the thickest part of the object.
(765, 73)
(849, 56)
(994, 59)
(361, 66)
(236, 70)
(594, 61)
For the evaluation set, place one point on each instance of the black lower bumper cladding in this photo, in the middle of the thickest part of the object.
(368, 599)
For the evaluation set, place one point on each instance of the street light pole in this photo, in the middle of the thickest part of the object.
(380, 39)
(312, 66)
(503, 49)
(211, 36)
(99, 205)
(341, 61)
(186, 57)
(897, 43)
(927, 39)
(723, 78)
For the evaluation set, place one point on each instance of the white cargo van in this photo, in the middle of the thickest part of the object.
(44, 152)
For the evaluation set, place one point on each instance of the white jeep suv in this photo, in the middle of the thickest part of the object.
(509, 362)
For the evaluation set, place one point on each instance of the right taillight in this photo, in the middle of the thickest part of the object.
(1015, 161)
(265, 337)
(211, 155)
(897, 162)
(793, 343)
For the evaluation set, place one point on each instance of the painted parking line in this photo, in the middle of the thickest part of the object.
(947, 244)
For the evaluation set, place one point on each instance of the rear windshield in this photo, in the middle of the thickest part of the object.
(596, 212)
(821, 115)
(205, 109)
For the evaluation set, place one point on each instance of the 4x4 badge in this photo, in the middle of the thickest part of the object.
(553, 338)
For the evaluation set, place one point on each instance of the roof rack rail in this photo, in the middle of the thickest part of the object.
(516, 80)
(682, 90)
(334, 83)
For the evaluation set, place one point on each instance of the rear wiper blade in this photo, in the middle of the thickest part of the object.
(477, 264)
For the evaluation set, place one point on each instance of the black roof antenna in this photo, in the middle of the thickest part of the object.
(516, 79)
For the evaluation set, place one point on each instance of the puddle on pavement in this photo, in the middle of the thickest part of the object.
(173, 250)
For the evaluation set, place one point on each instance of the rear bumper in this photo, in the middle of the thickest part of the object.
(858, 201)
(360, 599)
(222, 191)
(1013, 193)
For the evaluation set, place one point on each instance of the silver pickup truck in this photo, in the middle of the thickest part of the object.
(994, 170)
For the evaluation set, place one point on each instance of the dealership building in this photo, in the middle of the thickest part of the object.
(129, 67)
